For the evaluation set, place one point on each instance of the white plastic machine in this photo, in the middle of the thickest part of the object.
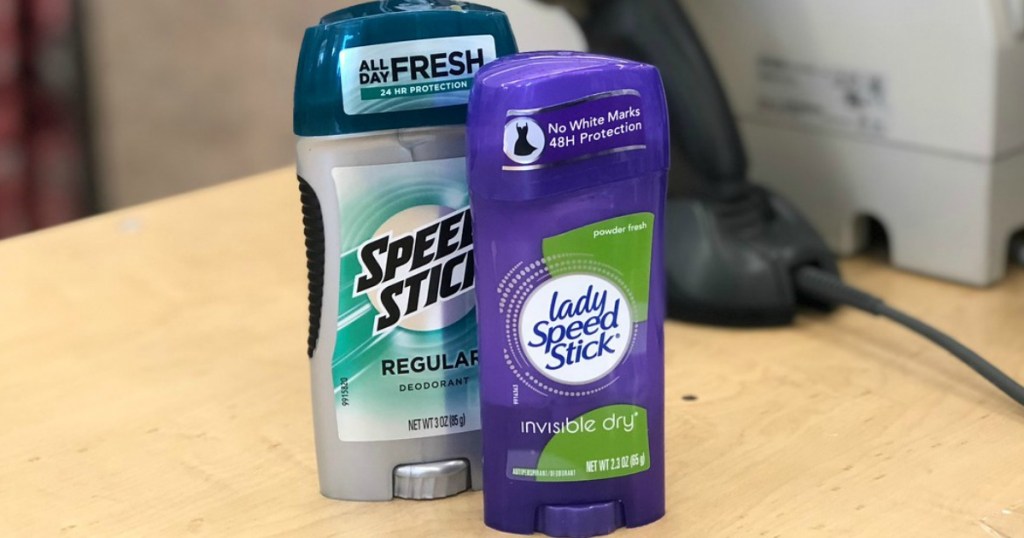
(910, 112)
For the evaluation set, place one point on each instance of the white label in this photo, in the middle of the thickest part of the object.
(823, 96)
(405, 361)
(576, 329)
(413, 75)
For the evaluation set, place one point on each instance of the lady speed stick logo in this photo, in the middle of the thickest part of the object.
(576, 329)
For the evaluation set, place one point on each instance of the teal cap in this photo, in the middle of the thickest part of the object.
(394, 64)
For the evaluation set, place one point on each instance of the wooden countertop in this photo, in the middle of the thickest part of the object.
(153, 381)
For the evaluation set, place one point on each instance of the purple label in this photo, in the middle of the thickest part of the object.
(601, 124)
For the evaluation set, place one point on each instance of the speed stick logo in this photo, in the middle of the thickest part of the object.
(409, 274)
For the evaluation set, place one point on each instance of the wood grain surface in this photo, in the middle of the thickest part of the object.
(153, 382)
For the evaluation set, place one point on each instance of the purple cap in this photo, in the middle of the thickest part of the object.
(551, 122)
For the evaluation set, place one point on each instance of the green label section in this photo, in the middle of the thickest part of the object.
(622, 245)
(609, 442)
(416, 90)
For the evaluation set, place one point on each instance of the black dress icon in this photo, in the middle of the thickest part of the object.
(523, 146)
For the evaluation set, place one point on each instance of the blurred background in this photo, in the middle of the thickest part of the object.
(111, 103)
(44, 161)
(895, 120)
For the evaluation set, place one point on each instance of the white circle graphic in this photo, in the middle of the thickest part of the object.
(576, 329)
(524, 140)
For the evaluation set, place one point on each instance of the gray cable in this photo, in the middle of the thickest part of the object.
(820, 286)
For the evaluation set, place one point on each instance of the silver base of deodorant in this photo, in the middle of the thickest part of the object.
(432, 480)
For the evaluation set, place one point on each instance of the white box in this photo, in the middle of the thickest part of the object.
(910, 112)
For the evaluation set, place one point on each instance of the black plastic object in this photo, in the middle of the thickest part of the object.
(658, 32)
(731, 260)
(732, 247)
(313, 223)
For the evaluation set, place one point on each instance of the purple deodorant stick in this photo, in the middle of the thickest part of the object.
(568, 161)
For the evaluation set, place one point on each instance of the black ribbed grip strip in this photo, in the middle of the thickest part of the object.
(313, 222)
